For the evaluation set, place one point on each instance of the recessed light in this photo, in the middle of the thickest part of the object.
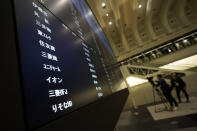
(184, 41)
(103, 4)
(140, 6)
(107, 14)
(177, 45)
(110, 23)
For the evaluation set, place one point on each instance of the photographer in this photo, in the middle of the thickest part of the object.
(166, 91)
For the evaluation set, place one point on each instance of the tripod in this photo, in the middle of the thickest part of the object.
(163, 100)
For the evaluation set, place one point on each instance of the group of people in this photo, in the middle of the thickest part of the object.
(177, 83)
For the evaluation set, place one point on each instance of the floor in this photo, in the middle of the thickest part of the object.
(183, 110)
(141, 119)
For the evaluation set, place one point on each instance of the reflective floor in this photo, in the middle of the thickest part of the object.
(141, 119)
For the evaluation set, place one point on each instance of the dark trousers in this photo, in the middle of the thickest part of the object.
(178, 91)
(170, 98)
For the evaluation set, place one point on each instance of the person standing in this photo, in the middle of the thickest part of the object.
(180, 85)
(166, 90)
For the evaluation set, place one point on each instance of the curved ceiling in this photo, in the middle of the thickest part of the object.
(133, 26)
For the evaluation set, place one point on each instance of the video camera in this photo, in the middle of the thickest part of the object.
(150, 79)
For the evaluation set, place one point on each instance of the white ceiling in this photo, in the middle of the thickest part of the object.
(131, 30)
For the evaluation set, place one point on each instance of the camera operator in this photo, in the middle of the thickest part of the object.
(166, 91)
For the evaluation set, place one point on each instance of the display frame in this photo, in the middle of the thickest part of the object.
(13, 115)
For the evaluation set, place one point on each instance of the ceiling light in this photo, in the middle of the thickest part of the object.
(110, 23)
(107, 14)
(184, 41)
(182, 64)
(140, 6)
(169, 50)
(154, 55)
(133, 81)
(177, 45)
(103, 4)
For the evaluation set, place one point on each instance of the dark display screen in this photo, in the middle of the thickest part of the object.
(61, 71)
(77, 15)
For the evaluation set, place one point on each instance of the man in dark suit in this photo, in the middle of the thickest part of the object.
(180, 85)
(166, 90)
